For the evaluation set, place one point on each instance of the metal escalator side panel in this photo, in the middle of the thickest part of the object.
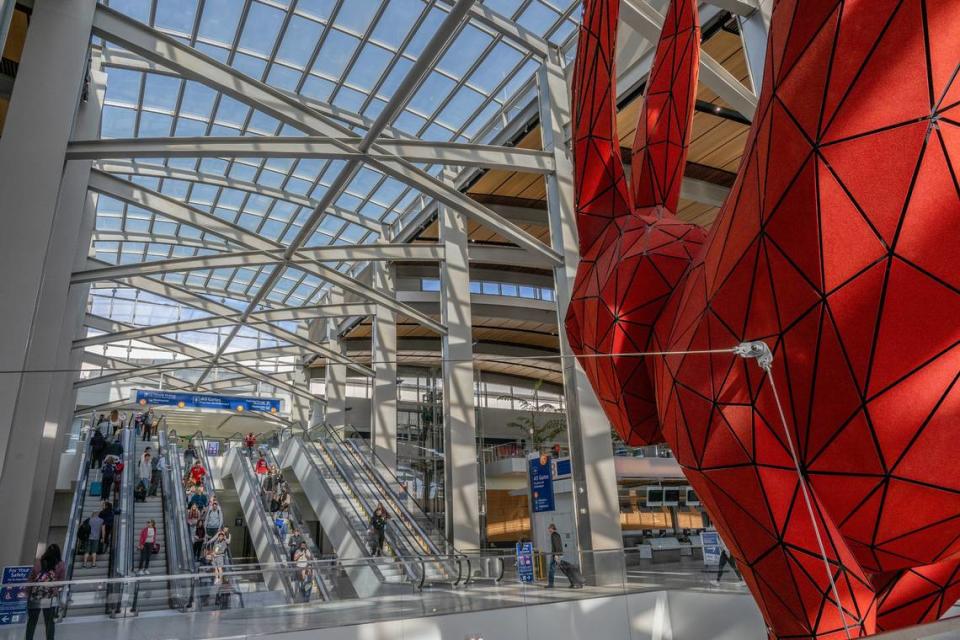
(77, 516)
(179, 561)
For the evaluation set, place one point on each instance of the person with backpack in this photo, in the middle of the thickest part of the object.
(117, 480)
(98, 446)
(189, 456)
(148, 546)
(89, 539)
(106, 514)
(197, 473)
(261, 468)
(146, 425)
(159, 465)
(213, 521)
(108, 475)
(199, 499)
(48, 568)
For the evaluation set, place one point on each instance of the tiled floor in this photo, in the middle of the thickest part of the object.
(165, 625)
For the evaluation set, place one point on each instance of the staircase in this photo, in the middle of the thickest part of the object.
(150, 596)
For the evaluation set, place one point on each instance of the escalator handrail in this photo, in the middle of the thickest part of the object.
(76, 515)
(341, 473)
(370, 457)
(304, 534)
(173, 531)
(179, 498)
(121, 554)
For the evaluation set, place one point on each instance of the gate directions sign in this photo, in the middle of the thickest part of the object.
(186, 400)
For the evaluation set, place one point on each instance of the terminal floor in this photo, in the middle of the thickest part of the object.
(164, 625)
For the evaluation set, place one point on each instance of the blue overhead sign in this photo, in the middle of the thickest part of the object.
(184, 400)
(541, 484)
(13, 599)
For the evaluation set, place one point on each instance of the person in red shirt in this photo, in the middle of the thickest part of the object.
(249, 443)
(261, 468)
(197, 472)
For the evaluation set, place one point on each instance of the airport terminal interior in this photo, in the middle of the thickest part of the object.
(479, 319)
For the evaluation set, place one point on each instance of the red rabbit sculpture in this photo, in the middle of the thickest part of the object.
(633, 249)
(836, 247)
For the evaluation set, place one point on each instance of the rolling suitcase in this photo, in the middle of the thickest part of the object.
(95, 488)
(573, 574)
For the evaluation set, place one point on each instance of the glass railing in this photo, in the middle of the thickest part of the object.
(485, 580)
(77, 515)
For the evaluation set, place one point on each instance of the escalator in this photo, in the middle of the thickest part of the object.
(343, 492)
(150, 595)
(260, 527)
(325, 575)
(90, 596)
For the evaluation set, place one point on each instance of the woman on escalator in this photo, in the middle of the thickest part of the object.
(378, 522)
(148, 546)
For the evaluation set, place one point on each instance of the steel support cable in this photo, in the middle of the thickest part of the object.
(764, 357)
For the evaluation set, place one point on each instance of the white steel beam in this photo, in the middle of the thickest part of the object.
(256, 320)
(426, 252)
(588, 430)
(149, 199)
(138, 196)
(420, 151)
(152, 45)
(155, 171)
(192, 64)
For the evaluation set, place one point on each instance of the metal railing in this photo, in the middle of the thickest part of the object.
(315, 459)
(76, 515)
(179, 559)
(121, 555)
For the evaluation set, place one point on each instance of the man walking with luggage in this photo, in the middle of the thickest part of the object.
(556, 553)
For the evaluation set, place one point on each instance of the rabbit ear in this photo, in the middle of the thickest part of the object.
(663, 132)
(599, 178)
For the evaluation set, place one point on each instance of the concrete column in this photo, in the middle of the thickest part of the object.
(383, 400)
(76, 216)
(335, 375)
(596, 507)
(461, 488)
(36, 255)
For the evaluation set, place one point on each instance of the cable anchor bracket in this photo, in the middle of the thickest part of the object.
(757, 350)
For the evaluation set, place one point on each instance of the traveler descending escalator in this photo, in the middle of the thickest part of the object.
(377, 532)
